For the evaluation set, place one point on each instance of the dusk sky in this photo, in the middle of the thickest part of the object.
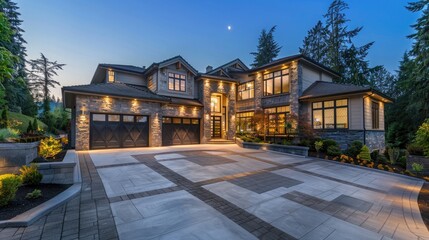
(82, 33)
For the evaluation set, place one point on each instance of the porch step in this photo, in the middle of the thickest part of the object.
(220, 141)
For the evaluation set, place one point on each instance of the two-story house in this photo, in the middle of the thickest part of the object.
(171, 103)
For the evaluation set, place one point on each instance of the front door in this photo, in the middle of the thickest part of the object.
(216, 126)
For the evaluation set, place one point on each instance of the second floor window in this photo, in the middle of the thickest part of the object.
(375, 115)
(246, 91)
(276, 82)
(111, 76)
(176, 82)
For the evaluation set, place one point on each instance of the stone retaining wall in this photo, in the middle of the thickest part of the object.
(15, 155)
(297, 150)
(65, 172)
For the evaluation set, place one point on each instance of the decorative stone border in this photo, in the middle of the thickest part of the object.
(297, 150)
(27, 218)
(14, 155)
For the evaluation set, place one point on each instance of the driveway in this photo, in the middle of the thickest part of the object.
(227, 192)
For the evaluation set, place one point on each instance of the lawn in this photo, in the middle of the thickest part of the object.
(24, 120)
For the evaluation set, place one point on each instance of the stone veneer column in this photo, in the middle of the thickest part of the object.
(82, 123)
(295, 88)
(155, 132)
(231, 112)
(259, 92)
(206, 112)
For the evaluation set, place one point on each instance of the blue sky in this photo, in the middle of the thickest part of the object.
(83, 33)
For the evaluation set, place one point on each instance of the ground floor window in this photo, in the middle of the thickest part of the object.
(375, 112)
(330, 114)
(277, 120)
(245, 122)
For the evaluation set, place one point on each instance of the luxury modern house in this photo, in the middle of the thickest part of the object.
(171, 103)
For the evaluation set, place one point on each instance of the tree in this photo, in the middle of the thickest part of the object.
(41, 78)
(268, 48)
(315, 43)
(7, 59)
(379, 78)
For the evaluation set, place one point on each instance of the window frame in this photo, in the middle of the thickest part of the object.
(334, 108)
(110, 76)
(176, 82)
(276, 115)
(244, 117)
(375, 115)
(249, 90)
(272, 78)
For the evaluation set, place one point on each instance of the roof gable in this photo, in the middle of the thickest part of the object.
(234, 65)
(177, 59)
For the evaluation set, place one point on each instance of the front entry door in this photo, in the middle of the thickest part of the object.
(216, 126)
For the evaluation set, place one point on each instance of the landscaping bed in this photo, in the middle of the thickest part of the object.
(58, 158)
(20, 204)
(424, 203)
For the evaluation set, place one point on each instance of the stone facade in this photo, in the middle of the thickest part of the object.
(375, 140)
(85, 105)
(15, 155)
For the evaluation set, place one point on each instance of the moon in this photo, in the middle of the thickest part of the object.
(229, 27)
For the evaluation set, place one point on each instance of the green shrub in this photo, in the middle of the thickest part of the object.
(354, 149)
(4, 119)
(422, 137)
(382, 159)
(333, 151)
(327, 143)
(34, 194)
(30, 127)
(7, 134)
(318, 145)
(49, 147)
(364, 153)
(415, 149)
(9, 184)
(30, 175)
(35, 125)
(417, 167)
(402, 161)
(374, 155)
(394, 154)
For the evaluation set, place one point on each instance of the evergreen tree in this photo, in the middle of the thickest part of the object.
(379, 78)
(30, 128)
(7, 59)
(315, 43)
(35, 125)
(419, 51)
(41, 78)
(268, 48)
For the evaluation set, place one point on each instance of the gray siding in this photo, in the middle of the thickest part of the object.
(311, 75)
(163, 82)
(368, 114)
(127, 78)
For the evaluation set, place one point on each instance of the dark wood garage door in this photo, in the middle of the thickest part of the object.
(178, 131)
(118, 131)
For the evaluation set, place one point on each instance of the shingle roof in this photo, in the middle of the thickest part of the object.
(322, 89)
(127, 68)
(226, 64)
(117, 89)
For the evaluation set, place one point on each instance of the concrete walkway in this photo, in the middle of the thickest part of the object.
(226, 192)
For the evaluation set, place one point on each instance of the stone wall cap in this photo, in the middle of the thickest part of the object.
(14, 145)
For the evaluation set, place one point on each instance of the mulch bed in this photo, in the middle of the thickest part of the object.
(21, 204)
(424, 203)
(58, 158)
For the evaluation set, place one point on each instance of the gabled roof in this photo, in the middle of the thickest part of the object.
(116, 89)
(295, 58)
(326, 89)
(228, 64)
(125, 68)
(171, 61)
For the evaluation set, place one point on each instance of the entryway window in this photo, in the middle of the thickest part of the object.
(215, 103)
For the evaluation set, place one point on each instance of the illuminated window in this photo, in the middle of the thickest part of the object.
(375, 115)
(246, 91)
(245, 121)
(215, 103)
(276, 82)
(176, 82)
(111, 76)
(277, 118)
(330, 114)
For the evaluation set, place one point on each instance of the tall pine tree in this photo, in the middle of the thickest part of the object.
(315, 43)
(268, 48)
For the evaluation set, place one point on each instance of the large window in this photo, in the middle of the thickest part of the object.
(277, 120)
(330, 114)
(215, 103)
(246, 91)
(111, 75)
(245, 121)
(375, 115)
(176, 82)
(276, 82)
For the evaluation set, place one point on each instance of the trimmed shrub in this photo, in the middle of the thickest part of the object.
(417, 167)
(333, 151)
(354, 149)
(49, 147)
(364, 154)
(402, 161)
(30, 175)
(35, 125)
(415, 149)
(30, 127)
(9, 184)
(318, 145)
(34, 194)
(394, 154)
(422, 137)
(327, 143)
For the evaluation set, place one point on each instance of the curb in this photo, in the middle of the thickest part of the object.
(27, 218)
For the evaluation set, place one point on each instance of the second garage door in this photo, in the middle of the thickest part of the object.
(118, 131)
(178, 131)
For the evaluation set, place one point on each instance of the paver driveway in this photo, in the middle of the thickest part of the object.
(226, 192)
